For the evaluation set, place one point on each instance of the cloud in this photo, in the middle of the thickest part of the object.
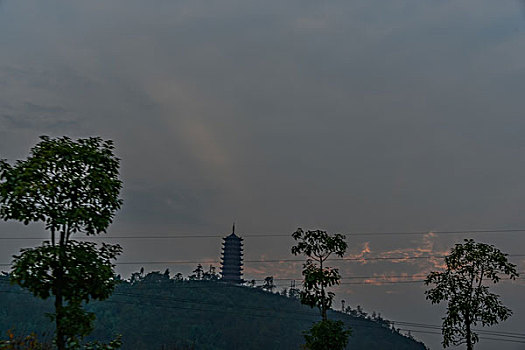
(411, 255)
(37, 117)
(398, 264)
(284, 269)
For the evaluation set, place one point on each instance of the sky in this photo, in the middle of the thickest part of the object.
(352, 116)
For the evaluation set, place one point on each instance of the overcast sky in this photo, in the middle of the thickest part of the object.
(350, 116)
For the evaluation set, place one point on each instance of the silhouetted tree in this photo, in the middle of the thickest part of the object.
(137, 276)
(197, 273)
(71, 186)
(469, 266)
(251, 283)
(360, 312)
(318, 246)
(210, 275)
(293, 292)
(268, 285)
(156, 277)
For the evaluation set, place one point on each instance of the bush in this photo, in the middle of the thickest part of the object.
(327, 335)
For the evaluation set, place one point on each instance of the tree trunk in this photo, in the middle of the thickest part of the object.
(470, 346)
(61, 344)
(59, 313)
(323, 299)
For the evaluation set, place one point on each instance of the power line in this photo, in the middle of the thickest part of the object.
(359, 259)
(480, 331)
(187, 262)
(438, 232)
(269, 235)
(482, 338)
(297, 260)
(278, 260)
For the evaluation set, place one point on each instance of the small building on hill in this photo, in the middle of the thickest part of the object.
(231, 259)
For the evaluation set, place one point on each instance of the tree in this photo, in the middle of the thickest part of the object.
(197, 273)
(210, 275)
(251, 283)
(293, 292)
(156, 277)
(268, 285)
(327, 334)
(137, 277)
(318, 246)
(469, 268)
(72, 187)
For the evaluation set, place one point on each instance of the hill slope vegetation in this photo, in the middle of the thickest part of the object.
(156, 312)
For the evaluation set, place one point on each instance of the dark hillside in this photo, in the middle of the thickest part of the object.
(168, 314)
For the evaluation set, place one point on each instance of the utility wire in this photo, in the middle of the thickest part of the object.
(360, 259)
(269, 235)
(480, 331)
(481, 338)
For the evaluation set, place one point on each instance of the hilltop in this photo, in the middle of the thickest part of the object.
(157, 312)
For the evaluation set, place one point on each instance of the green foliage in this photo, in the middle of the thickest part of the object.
(67, 184)
(316, 280)
(88, 270)
(469, 267)
(71, 186)
(88, 274)
(205, 315)
(318, 245)
(326, 335)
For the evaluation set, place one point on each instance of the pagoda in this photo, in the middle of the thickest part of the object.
(231, 262)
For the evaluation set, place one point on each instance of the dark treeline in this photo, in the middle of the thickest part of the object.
(159, 311)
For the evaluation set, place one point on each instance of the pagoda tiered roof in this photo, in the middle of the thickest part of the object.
(231, 258)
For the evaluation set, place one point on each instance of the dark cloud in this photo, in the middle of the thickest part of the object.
(37, 117)
(166, 205)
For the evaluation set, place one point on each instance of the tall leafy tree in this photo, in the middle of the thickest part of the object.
(72, 187)
(470, 267)
(318, 246)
